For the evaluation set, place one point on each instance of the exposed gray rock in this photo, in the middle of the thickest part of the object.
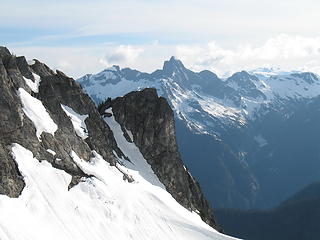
(4, 52)
(11, 182)
(151, 121)
(11, 123)
(15, 127)
(59, 89)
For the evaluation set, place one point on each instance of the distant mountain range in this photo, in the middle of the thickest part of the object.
(250, 139)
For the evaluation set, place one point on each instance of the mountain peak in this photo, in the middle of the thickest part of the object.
(173, 58)
(4, 52)
(242, 76)
(114, 68)
(172, 65)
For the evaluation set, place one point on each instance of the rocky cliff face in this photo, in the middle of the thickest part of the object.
(24, 84)
(53, 90)
(151, 121)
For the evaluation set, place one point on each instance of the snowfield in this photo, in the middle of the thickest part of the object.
(37, 113)
(103, 206)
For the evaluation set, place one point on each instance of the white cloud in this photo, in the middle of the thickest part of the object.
(286, 52)
(74, 61)
(283, 51)
(122, 55)
(78, 61)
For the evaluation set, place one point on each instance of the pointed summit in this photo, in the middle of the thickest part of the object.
(173, 65)
(174, 59)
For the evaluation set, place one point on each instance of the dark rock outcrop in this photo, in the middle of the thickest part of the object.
(151, 121)
(15, 127)
(11, 121)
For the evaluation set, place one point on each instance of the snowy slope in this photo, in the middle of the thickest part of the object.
(103, 206)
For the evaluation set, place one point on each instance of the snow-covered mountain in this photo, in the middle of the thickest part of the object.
(226, 127)
(202, 99)
(68, 172)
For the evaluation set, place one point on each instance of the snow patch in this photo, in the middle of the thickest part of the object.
(101, 91)
(33, 85)
(78, 121)
(37, 113)
(53, 153)
(31, 62)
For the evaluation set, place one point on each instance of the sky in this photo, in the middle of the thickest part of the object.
(224, 36)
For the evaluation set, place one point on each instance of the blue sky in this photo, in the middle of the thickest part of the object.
(224, 36)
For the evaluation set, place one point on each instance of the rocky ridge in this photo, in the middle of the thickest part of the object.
(55, 91)
(151, 122)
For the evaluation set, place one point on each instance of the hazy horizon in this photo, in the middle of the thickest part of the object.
(80, 37)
